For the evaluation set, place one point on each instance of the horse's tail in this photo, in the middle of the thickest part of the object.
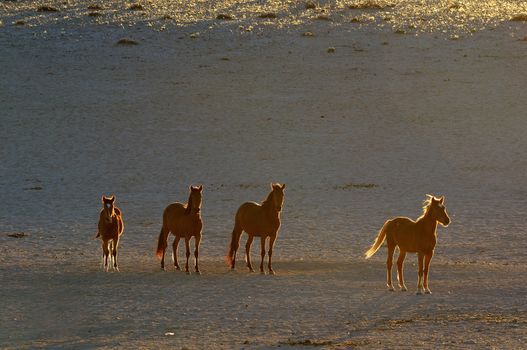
(235, 243)
(378, 241)
(162, 240)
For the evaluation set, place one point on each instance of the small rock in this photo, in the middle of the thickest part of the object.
(400, 31)
(308, 34)
(95, 7)
(331, 49)
(20, 22)
(323, 18)
(94, 14)
(126, 41)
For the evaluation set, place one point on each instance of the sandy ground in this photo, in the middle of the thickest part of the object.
(359, 135)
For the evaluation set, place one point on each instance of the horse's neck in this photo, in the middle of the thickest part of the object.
(188, 206)
(429, 223)
(269, 207)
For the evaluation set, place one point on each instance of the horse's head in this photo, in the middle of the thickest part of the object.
(195, 198)
(108, 208)
(278, 195)
(438, 210)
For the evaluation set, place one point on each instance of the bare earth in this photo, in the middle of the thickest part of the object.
(359, 135)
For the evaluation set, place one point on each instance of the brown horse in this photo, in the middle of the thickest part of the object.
(260, 220)
(412, 237)
(183, 220)
(110, 228)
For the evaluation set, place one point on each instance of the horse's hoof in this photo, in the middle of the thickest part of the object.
(391, 289)
(403, 289)
(271, 272)
(262, 272)
(178, 268)
(428, 291)
(251, 269)
(117, 269)
(198, 272)
(187, 272)
(419, 292)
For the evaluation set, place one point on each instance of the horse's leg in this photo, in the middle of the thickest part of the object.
(420, 258)
(428, 258)
(389, 263)
(262, 253)
(197, 240)
(400, 269)
(163, 257)
(115, 244)
(187, 253)
(174, 251)
(235, 244)
(272, 239)
(248, 252)
(106, 252)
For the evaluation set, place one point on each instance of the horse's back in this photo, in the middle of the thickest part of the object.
(179, 222)
(402, 232)
(252, 218)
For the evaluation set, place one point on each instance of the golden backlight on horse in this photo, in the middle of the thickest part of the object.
(412, 237)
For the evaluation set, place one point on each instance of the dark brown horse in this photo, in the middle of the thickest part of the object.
(258, 220)
(110, 228)
(183, 220)
(412, 237)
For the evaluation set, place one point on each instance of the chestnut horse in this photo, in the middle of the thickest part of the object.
(110, 228)
(260, 220)
(412, 237)
(183, 220)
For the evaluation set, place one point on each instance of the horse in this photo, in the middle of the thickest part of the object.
(412, 237)
(258, 220)
(183, 220)
(110, 228)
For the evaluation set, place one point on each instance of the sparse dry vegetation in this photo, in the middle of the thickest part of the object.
(47, 8)
(311, 5)
(136, 7)
(269, 15)
(351, 186)
(224, 17)
(370, 5)
(95, 7)
(520, 17)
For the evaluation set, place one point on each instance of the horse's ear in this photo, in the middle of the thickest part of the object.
(442, 199)
(283, 186)
(112, 199)
(200, 188)
(103, 198)
(272, 185)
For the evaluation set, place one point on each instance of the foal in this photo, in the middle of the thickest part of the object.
(260, 220)
(110, 228)
(183, 220)
(412, 237)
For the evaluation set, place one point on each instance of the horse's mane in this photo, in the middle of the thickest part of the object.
(427, 203)
(188, 207)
